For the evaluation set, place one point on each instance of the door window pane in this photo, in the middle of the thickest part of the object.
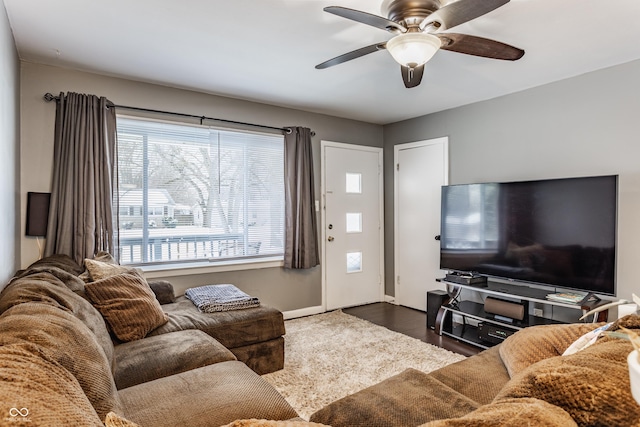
(354, 183)
(354, 262)
(354, 222)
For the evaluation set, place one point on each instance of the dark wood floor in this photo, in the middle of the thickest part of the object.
(409, 322)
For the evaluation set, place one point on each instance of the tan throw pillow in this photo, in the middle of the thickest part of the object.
(67, 341)
(37, 391)
(511, 413)
(105, 257)
(591, 385)
(532, 345)
(128, 304)
(115, 420)
(101, 270)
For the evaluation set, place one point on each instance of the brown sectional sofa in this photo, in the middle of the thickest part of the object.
(60, 365)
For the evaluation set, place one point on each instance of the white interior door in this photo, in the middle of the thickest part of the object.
(421, 171)
(352, 230)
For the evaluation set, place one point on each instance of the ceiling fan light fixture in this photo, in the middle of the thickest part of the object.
(413, 49)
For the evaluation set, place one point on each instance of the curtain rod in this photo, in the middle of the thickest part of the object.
(49, 97)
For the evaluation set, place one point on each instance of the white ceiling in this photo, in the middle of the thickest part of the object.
(266, 50)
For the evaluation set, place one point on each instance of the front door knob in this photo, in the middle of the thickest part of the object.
(330, 238)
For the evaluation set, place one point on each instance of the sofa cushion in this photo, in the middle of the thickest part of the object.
(70, 280)
(531, 345)
(128, 304)
(49, 287)
(232, 328)
(37, 390)
(163, 355)
(511, 413)
(408, 399)
(591, 385)
(263, 357)
(479, 385)
(67, 341)
(61, 261)
(213, 395)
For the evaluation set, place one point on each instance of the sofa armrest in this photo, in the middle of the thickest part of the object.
(163, 290)
(164, 355)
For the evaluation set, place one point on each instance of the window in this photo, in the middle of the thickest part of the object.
(189, 192)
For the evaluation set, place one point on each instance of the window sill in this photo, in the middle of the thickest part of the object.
(202, 267)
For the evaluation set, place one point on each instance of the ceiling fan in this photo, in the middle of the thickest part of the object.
(418, 26)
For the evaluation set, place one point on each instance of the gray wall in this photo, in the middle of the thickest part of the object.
(9, 151)
(285, 290)
(586, 125)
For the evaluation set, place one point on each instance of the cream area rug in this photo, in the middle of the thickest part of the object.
(332, 355)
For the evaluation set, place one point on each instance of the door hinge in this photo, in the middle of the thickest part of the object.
(398, 280)
(397, 166)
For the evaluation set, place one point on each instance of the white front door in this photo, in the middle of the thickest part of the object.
(352, 229)
(421, 170)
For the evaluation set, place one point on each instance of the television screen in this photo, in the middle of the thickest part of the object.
(558, 232)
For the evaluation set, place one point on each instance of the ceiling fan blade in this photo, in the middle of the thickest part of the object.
(479, 46)
(366, 18)
(461, 11)
(412, 76)
(352, 55)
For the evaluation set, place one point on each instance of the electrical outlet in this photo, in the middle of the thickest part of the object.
(538, 312)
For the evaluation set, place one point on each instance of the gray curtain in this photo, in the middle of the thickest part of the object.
(301, 229)
(81, 213)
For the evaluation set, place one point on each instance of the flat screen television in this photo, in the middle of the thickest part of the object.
(556, 232)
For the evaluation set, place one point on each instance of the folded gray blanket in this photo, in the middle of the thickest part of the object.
(214, 298)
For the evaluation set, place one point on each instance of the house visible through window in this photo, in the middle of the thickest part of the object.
(189, 192)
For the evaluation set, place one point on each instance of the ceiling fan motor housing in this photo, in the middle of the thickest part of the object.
(409, 12)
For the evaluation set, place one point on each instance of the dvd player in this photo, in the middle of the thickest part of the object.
(493, 333)
(466, 279)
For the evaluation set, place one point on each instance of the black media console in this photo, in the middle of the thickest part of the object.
(478, 327)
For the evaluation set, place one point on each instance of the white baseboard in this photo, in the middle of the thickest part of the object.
(307, 311)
